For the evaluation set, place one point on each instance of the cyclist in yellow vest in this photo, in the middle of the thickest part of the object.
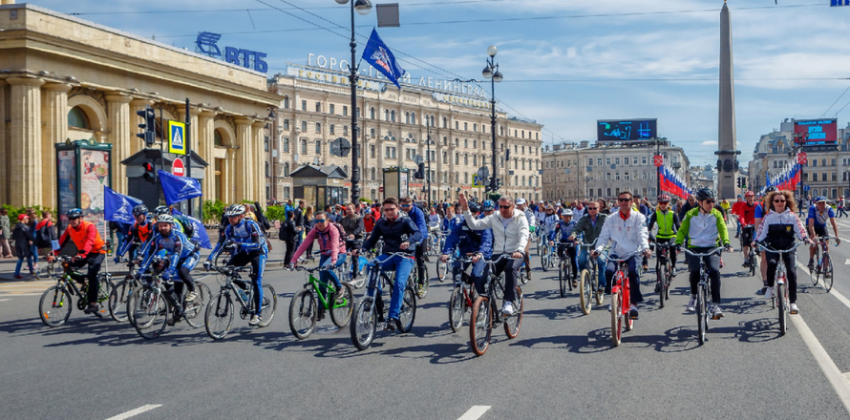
(668, 224)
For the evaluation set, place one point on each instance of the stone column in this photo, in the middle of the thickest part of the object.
(206, 145)
(259, 187)
(54, 113)
(119, 135)
(5, 177)
(25, 165)
(136, 105)
(244, 173)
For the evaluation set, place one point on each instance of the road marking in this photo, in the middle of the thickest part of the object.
(473, 413)
(135, 412)
(5, 300)
(827, 365)
(20, 294)
(832, 292)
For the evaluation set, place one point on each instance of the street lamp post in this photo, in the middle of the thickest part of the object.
(492, 72)
(362, 7)
(428, 157)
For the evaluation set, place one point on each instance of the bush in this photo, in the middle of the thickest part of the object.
(15, 211)
(365, 200)
(213, 211)
(275, 213)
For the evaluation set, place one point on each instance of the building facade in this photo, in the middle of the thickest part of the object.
(581, 171)
(63, 78)
(394, 126)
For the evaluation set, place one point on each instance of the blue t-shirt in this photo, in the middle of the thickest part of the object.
(759, 212)
(820, 219)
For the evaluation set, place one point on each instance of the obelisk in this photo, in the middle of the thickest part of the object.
(727, 145)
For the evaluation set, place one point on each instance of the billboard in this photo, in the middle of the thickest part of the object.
(817, 132)
(627, 130)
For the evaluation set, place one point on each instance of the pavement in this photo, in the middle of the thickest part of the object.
(561, 365)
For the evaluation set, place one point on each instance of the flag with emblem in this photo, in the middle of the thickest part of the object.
(381, 58)
(200, 234)
(178, 188)
(118, 207)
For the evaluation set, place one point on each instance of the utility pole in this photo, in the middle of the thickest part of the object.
(187, 140)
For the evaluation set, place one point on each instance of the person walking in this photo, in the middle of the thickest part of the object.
(22, 235)
(32, 222)
(288, 234)
(5, 234)
(308, 226)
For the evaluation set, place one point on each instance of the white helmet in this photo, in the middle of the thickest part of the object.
(567, 212)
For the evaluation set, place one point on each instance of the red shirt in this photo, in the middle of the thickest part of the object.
(745, 212)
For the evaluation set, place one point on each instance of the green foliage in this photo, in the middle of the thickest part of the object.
(275, 213)
(213, 210)
(365, 200)
(15, 211)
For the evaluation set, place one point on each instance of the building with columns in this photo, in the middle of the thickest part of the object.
(63, 78)
(394, 128)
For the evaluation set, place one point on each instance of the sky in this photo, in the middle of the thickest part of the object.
(566, 63)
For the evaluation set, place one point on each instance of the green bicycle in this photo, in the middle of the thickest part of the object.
(55, 305)
(304, 307)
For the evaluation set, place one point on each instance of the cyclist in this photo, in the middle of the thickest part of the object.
(399, 234)
(627, 229)
(250, 247)
(90, 250)
(758, 214)
(415, 214)
(590, 226)
(777, 231)
(704, 228)
(549, 222)
(140, 232)
(745, 212)
(510, 235)
(564, 230)
(332, 246)
(529, 215)
(668, 223)
(468, 242)
(450, 220)
(818, 215)
(182, 256)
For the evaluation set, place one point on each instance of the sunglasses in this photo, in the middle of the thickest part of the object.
(709, 201)
(321, 220)
(505, 207)
(778, 201)
(592, 208)
(406, 205)
(624, 200)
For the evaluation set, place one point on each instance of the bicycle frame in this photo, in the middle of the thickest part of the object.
(317, 284)
(232, 275)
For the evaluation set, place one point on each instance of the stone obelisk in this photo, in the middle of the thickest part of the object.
(727, 144)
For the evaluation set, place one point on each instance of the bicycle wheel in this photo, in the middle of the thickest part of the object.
(585, 292)
(662, 280)
(562, 280)
(514, 323)
(218, 317)
(782, 305)
(151, 313)
(442, 270)
(499, 286)
(407, 314)
(118, 300)
(55, 306)
(457, 308)
(702, 316)
(815, 272)
(753, 262)
(104, 287)
(357, 279)
(616, 318)
(544, 259)
(364, 325)
(342, 308)
(303, 310)
(480, 325)
(827, 272)
(269, 305)
(193, 309)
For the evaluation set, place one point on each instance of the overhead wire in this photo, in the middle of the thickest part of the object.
(836, 101)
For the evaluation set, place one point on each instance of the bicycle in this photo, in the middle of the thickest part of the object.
(461, 297)
(547, 257)
(703, 294)
(371, 309)
(120, 295)
(620, 298)
(218, 317)
(589, 282)
(303, 308)
(55, 305)
(751, 259)
(483, 309)
(664, 272)
(823, 269)
(565, 269)
(780, 297)
(444, 268)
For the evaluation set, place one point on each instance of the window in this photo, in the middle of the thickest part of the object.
(515, 133)
(372, 113)
(608, 162)
(390, 152)
(303, 146)
(616, 177)
(318, 147)
(814, 175)
(318, 106)
(643, 161)
(331, 109)
(372, 133)
(474, 144)
(465, 127)
(823, 176)
(616, 161)
(457, 125)
(344, 111)
(523, 149)
(318, 128)
(445, 122)
(303, 126)
(286, 145)
(407, 118)
(626, 161)
(823, 162)
(457, 158)
(445, 157)
(834, 176)
(345, 130)
(607, 192)
(466, 177)
(217, 140)
(474, 127)
(286, 102)
(331, 129)
(465, 159)
(475, 160)
(266, 143)
(626, 176)
(392, 115)
(413, 118)
(286, 124)
(303, 105)
(814, 162)
(372, 173)
(523, 133)
(589, 161)
(77, 118)
(466, 143)
(268, 171)
(599, 161)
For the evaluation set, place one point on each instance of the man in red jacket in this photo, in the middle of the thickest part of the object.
(90, 250)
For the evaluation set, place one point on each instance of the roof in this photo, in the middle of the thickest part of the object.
(314, 171)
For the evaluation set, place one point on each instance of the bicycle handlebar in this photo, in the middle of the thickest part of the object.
(778, 251)
(707, 254)
(624, 258)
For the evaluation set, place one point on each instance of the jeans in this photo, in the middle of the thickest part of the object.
(20, 262)
(258, 264)
(478, 272)
(634, 284)
(119, 238)
(600, 265)
(510, 267)
(712, 263)
(34, 251)
(328, 274)
(402, 267)
(842, 212)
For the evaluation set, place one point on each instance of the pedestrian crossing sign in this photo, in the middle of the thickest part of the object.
(477, 181)
(176, 137)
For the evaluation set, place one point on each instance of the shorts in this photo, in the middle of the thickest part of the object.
(747, 234)
(820, 231)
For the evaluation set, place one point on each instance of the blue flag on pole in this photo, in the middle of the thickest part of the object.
(178, 188)
(201, 234)
(118, 207)
(380, 57)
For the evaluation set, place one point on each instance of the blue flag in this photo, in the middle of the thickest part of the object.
(201, 234)
(118, 207)
(178, 188)
(380, 57)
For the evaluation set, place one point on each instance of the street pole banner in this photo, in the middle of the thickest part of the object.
(379, 56)
(118, 207)
(178, 188)
(201, 234)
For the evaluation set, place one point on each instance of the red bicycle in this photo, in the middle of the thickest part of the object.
(620, 298)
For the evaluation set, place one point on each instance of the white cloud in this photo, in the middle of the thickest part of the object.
(709, 143)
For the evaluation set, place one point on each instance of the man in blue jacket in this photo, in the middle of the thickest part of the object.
(476, 244)
(418, 217)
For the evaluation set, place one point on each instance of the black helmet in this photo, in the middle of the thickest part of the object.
(474, 208)
(770, 189)
(235, 210)
(705, 194)
(74, 213)
(140, 209)
(161, 210)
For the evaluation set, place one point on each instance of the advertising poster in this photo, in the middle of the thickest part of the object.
(67, 184)
(402, 185)
(817, 132)
(94, 175)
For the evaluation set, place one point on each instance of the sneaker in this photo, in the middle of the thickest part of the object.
(320, 316)
(768, 293)
(692, 303)
(657, 286)
(94, 310)
(673, 272)
(745, 264)
(507, 309)
(255, 320)
(18, 276)
(811, 265)
(191, 296)
(715, 311)
(761, 291)
(391, 324)
(794, 309)
(736, 235)
(601, 297)
(633, 312)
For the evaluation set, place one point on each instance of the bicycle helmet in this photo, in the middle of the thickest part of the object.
(489, 205)
(165, 218)
(567, 212)
(160, 261)
(74, 213)
(663, 198)
(705, 194)
(769, 190)
(140, 210)
(749, 194)
(474, 208)
(235, 210)
(161, 210)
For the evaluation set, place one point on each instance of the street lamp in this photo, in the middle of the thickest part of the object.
(362, 7)
(492, 72)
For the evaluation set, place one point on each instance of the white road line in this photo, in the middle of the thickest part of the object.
(4, 300)
(135, 412)
(473, 413)
(832, 292)
(830, 370)
(20, 294)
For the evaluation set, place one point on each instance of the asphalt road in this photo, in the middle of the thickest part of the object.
(562, 365)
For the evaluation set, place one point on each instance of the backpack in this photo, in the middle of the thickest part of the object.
(188, 226)
(340, 230)
(44, 236)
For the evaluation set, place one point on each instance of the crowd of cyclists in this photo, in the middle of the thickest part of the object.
(499, 231)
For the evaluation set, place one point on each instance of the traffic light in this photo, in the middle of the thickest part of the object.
(739, 182)
(150, 172)
(420, 172)
(149, 135)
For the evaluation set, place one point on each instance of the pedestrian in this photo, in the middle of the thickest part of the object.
(22, 235)
(45, 232)
(288, 234)
(262, 220)
(308, 225)
(841, 208)
(299, 222)
(5, 234)
(32, 222)
(120, 231)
